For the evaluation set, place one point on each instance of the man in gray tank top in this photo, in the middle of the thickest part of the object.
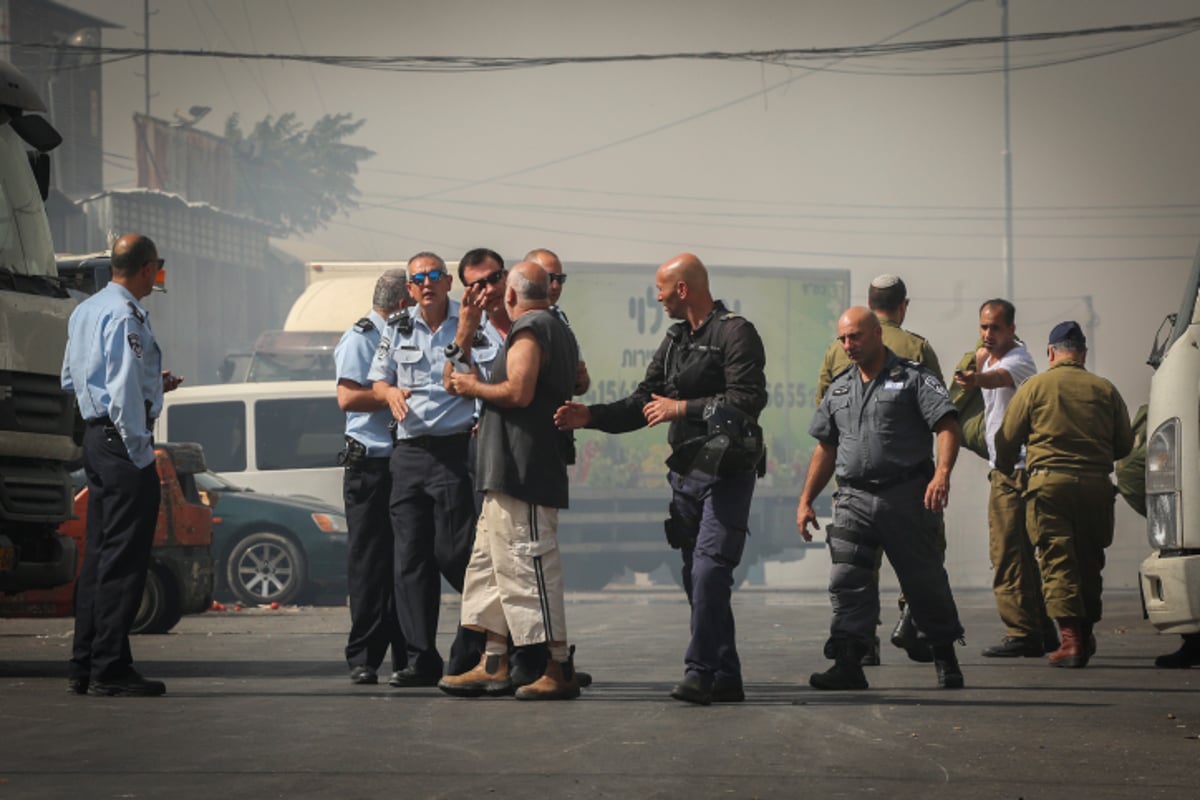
(514, 583)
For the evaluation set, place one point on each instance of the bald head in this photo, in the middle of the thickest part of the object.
(861, 336)
(135, 263)
(682, 284)
(528, 289)
(549, 261)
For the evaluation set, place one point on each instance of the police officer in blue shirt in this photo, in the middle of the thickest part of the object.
(367, 488)
(432, 499)
(114, 367)
(872, 430)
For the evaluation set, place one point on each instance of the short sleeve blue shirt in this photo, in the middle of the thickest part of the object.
(352, 359)
(415, 361)
(114, 366)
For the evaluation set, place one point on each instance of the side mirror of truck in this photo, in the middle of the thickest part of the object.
(1162, 340)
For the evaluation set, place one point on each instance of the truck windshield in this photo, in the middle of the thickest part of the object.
(25, 244)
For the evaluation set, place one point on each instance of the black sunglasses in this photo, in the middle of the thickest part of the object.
(492, 278)
(433, 275)
(558, 277)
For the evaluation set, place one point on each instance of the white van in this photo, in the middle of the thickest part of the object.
(280, 437)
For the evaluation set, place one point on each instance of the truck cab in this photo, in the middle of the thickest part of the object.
(1170, 576)
(37, 418)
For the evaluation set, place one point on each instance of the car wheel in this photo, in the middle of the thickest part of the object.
(159, 610)
(266, 568)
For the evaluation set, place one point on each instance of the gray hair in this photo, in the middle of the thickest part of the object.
(426, 254)
(527, 289)
(390, 289)
(1069, 347)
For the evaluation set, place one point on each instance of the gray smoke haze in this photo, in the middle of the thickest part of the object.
(865, 166)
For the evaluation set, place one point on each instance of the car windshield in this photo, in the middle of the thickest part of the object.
(211, 481)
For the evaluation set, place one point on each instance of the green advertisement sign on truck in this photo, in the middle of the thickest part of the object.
(619, 492)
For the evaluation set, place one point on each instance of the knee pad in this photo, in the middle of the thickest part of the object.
(853, 550)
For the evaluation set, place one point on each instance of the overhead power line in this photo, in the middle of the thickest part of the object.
(789, 57)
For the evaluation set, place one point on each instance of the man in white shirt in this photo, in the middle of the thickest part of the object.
(1001, 365)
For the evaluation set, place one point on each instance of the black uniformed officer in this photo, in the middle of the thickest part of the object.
(367, 488)
(114, 367)
(872, 431)
(709, 363)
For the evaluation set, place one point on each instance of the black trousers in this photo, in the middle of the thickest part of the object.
(433, 519)
(122, 515)
(374, 625)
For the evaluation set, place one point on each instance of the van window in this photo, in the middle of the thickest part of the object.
(220, 428)
(298, 433)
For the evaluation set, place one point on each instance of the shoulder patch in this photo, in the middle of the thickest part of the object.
(364, 325)
(133, 309)
(839, 391)
(933, 383)
(135, 343)
(385, 344)
(481, 339)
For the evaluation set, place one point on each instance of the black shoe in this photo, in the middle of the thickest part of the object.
(846, 672)
(871, 659)
(1015, 647)
(363, 676)
(694, 688)
(409, 677)
(1050, 641)
(584, 679)
(949, 674)
(131, 685)
(727, 692)
(907, 638)
(77, 685)
(1187, 656)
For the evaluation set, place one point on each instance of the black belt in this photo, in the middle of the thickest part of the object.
(430, 442)
(923, 470)
(107, 423)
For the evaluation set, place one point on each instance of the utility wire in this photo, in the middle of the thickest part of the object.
(789, 57)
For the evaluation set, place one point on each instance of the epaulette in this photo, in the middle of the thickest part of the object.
(402, 320)
(843, 371)
(134, 310)
(914, 333)
(730, 315)
(364, 325)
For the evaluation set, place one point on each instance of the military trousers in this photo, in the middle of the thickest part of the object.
(123, 502)
(716, 513)
(1016, 578)
(895, 521)
(1070, 519)
(370, 566)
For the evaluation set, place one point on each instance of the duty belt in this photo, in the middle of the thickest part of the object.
(430, 442)
(111, 429)
(922, 470)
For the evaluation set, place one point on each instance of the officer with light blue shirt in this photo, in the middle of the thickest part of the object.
(113, 365)
(367, 488)
(432, 502)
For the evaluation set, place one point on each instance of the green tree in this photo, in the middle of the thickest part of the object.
(292, 178)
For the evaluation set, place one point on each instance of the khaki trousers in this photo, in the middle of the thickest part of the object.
(1016, 579)
(514, 583)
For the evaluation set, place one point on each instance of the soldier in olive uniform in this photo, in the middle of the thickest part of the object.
(1073, 425)
(873, 433)
(888, 299)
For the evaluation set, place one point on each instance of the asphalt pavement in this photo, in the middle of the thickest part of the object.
(259, 705)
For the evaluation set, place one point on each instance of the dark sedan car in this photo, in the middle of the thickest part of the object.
(270, 548)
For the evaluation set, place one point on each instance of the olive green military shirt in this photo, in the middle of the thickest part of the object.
(1069, 420)
(901, 342)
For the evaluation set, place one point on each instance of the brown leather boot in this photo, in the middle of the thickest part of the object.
(489, 676)
(558, 682)
(1073, 650)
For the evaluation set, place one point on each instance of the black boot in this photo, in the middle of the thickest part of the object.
(1188, 654)
(846, 672)
(949, 675)
(907, 638)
